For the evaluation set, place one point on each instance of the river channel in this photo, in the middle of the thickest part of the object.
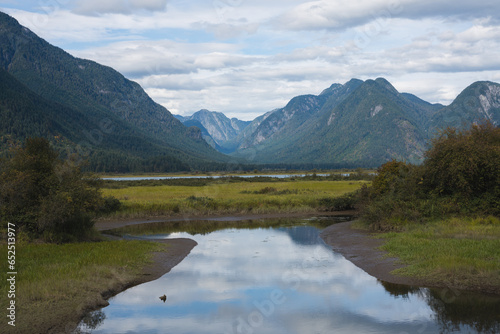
(283, 279)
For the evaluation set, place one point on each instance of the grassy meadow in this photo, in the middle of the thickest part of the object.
(223, 197)
(463, 253)
(56, 282)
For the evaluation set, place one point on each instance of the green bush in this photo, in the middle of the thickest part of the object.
(465, 164)
(110, 205)
(390, 177)
(342, 203)
(47, 197)
(460, 176)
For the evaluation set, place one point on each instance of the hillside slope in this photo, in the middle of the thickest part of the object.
(100, 93)
(368, 123)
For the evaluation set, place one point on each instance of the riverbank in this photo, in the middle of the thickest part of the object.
(108, 224)
(362, 249)
(430, 258)
(59, 284)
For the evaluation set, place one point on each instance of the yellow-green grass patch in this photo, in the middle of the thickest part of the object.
(228, 197)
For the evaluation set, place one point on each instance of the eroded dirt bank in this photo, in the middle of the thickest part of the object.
(361, 249)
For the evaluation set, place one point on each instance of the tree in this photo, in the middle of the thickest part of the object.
(45, 196)
(389, 177)
(464, 164)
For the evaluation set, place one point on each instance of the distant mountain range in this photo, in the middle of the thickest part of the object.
(85, 107)
(90, 109)
(218, 130)
(359, 123)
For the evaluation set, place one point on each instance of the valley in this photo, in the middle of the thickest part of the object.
(109, 122)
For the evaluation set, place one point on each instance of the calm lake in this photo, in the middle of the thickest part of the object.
(283, 279)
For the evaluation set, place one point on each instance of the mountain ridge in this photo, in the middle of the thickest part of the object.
(370, 124)
(99, 92)
(73, 102)
(220, 130)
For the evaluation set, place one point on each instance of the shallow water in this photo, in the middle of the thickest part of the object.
(284, 280)
(277, 176)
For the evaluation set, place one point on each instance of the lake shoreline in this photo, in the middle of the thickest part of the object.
(163, 261)
(65, 317)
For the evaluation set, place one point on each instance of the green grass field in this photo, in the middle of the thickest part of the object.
(462, 253)
(228, 197)
(57, 283)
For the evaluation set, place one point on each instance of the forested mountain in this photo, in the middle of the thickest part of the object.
(140, 134)
(362, 123)
(92, 110)
(287, 122)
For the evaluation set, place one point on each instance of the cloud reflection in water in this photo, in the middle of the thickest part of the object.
(265, 281)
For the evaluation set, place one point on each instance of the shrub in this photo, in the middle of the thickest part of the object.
(341, 203)
(389, 177)
(47, 197)
(466, 164)
(110, 205)
(460, 175)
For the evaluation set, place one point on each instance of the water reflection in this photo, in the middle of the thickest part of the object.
(454, 308)
(278, 280)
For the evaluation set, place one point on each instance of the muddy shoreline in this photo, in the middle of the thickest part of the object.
(361, 248)
(66, 321)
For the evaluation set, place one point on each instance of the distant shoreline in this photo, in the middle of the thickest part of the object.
(103, 225)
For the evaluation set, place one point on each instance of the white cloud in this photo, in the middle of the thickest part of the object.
(245, 58)
(337, 14)
(340, 15)
(98, 7)
(227, 30)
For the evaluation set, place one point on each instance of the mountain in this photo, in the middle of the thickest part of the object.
(362, 124)
(187, 121)
(139, 132)
(221, 129)
(287, 122)
(481, 100)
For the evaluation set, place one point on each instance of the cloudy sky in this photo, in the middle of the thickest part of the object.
(246, 57)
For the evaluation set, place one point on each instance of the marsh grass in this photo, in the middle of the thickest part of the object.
(53, 279)
(463, 253)
(229, 197)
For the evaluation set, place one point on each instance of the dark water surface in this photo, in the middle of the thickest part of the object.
(284, 280)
